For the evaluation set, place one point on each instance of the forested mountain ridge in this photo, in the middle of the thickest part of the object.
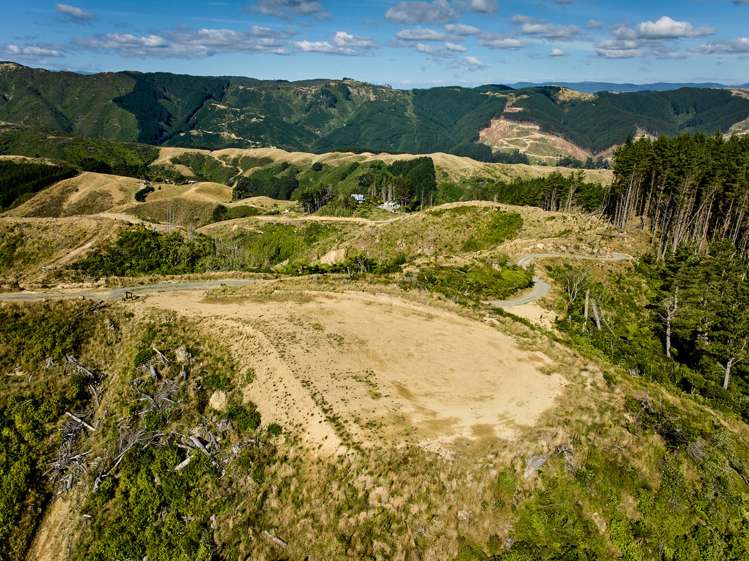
(326, 115)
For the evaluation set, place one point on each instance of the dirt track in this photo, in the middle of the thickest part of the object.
(540, 287)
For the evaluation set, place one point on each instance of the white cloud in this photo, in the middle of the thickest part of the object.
(594, 24)
(667, 28)
(438, 11)
(738, 46)
(426, 49)
(343, 43)
(343, 39)
(74, 13)
(190, 44)
(484, 6)
(455, 48)
(531, 26)
(421, 34)
(32, 51)
(290, 8)
(473, 62)
(556, 51)
(462, 29)
(492, 41)
(619, 49)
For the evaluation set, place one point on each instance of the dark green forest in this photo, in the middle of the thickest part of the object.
(681, 316)
(690, 190)
(335, 115)
(19, 180)
(554, 192)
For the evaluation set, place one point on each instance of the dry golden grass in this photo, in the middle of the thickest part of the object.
(49, 244)
(89, 193)
(449, 167)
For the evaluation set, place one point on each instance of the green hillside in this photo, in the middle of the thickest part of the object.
(333, 115)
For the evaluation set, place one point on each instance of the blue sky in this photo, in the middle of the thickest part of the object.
(403, 43)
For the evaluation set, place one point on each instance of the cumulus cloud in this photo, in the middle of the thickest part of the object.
(290, 8)
(74, 13)
(455, 47)
(492, 41)
(462, 29)
(667, 28)
(556, 51)
(438, 11)
(190, 44)
(32, 51)
(538, 28)
(344, 39)
(484, 6)
(473, 62)
(343, 43)
(421, 34)
(738, 46)
(619, 48)
(650, 39)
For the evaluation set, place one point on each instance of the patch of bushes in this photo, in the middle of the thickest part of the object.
(473, 283)
(139, 251)
(352, 265)
(245, 418)
(221, 212)
(142, 193)
(31, 406)
(206, 167)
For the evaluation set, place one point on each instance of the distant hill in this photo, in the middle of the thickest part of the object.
(595, 87)
(334, 115)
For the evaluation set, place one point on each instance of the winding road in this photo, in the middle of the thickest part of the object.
(540, 287)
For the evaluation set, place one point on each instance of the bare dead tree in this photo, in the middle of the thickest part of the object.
(596, 315)
(736, 357)
(670, 309)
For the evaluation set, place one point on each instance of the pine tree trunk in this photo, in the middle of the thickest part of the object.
(727, 369)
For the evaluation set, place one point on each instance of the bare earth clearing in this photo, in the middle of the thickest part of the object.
(355, 369)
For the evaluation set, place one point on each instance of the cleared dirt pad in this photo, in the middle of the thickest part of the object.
(358, 369)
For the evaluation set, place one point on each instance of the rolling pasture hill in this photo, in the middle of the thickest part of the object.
(340, 115)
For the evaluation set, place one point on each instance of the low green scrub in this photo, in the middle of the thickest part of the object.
(163, 500)
(139, 251)
(206, 167)
(352, 265)
(35, 395)
(221, 212)
(599, 504)
(277, 243)
(502, 226)
(19, 181)
(473, 283)
(276, 182)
